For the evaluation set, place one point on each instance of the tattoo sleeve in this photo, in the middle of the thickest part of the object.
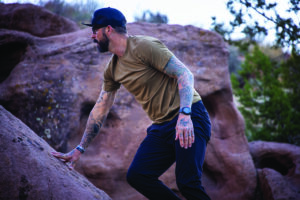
(97, 117)
(185, 78)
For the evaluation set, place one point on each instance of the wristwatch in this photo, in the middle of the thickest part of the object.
(185, 110)
(80, 148)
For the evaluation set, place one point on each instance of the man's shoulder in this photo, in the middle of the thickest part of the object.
(143, 40)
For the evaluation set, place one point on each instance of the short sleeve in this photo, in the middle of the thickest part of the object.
(109, 83)
(154, 53)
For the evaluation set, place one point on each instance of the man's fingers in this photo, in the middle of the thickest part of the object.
(181, 139)
(193, 136)
(186, 138)
(190, 138)
(61, 156)
(69, 158)
(177, 135)
(57, 154)
(71, 165)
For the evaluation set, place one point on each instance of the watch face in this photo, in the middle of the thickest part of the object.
(186, 110)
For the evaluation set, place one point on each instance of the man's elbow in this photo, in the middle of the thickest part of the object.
(190, 75)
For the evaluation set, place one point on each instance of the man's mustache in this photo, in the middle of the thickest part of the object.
(96, 41)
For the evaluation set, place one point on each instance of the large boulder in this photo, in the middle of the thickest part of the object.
(29, 171)
(278, 167)
(55, 82)
(33, 19)
(59, 80)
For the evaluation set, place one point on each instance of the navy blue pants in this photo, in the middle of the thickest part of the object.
(159, 151)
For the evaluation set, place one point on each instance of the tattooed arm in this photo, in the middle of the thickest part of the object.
(185, 79)
(97, 117)
(95, 122)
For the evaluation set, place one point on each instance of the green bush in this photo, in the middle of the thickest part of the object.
(268, 94)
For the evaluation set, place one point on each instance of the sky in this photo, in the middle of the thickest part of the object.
(183, 12)
(198, 13)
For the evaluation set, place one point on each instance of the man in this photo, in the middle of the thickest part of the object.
(164, 87)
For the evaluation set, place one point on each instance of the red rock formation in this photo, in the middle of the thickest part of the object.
(278, 167)
(58, 79)
(52, 83)
(55, 81)
(33, 19)
(29, 171)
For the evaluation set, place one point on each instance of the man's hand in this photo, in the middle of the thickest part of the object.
(68, 158)
(185, 131)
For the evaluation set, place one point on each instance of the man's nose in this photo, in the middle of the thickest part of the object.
(93, 36)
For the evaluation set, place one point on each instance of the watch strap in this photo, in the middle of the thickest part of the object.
(80, 148)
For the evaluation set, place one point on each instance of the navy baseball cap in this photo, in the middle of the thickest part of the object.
(107, 16)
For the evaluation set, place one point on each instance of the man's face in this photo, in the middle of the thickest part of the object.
(101, 39)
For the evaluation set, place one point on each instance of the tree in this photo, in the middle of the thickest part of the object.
(251, 16)
(78, 11)
(150, 17)
(290, 72)
(267, 88)
(269, 96)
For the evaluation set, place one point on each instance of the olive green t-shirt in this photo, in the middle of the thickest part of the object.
(140, 71)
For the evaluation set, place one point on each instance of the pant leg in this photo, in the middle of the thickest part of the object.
(154, 156)
(189, 162)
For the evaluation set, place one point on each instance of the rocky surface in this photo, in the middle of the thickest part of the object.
(33, 19)
(52, 83)
(29, 171)
(58, 79)
(278, 167)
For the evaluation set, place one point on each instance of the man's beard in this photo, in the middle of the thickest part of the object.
(103, 44)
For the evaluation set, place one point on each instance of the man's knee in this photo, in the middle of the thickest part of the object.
(181, 186)
(133, 176)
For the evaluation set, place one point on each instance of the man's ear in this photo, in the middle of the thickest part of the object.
(109, 29)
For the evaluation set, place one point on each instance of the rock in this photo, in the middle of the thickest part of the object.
(47, 84)
(29, 171)
(33, 19)
(57, 80)
(278, 167)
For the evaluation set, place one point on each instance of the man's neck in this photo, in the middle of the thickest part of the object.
(118, 44)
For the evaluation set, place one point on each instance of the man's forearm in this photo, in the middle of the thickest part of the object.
(185, 80)
(97, 117)
(92, 129)
(186, 89)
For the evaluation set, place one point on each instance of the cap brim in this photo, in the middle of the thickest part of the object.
(86, 24)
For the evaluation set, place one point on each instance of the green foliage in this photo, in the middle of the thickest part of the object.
(79, 11)
(268, 94)
(267, 86)
(150, 17)
(252, 16)
(291, 81)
